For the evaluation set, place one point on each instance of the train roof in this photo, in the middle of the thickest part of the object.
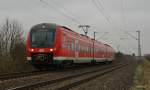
(44, 25)
(107, 45)
(67, 28)
(76, 32)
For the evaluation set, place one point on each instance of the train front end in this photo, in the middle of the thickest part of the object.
(40, 44)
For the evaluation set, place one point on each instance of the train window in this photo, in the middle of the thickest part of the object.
(42, 38)
(69, 46)
(87, 49)
(82, 49)
(91, 49)
(63, 45)
(64, 41)
(77, 46)
(72, 46)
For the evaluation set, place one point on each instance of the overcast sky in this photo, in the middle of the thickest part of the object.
(113, 16)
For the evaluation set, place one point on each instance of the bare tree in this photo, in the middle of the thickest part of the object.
(10, 38)
(12, 48)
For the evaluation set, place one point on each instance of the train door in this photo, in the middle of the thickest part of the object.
(76, 49)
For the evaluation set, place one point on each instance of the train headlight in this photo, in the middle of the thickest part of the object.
(51, 50)
(32, 50)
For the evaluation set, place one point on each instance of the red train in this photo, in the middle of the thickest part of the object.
(51, 44)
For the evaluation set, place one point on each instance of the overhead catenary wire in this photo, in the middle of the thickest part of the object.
(99, 5)
(123, 20)
(99, 2)
(64, 9)
(111, 20)
(123, 13)
(100, 8)
(59, 11)
(101, 11)
(105, 14)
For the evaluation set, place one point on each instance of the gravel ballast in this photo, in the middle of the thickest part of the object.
(121, 79)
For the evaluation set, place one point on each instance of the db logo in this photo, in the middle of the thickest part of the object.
(41, 50)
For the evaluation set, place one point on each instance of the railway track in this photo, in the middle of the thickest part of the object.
(37, 72)
(20, 75)
(68, 82)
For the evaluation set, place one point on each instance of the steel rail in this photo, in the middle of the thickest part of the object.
(20, 74)
(31, 73)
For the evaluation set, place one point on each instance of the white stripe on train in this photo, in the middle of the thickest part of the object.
(79, 60)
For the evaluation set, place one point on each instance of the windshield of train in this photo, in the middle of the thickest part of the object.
(42, 38)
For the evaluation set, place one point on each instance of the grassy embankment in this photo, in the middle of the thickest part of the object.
(142, 76)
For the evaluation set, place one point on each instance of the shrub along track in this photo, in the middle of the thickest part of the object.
(67, 82)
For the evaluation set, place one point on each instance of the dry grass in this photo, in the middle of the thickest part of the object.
(142, 76)
(7, 65)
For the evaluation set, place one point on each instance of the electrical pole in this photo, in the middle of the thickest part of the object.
(139, 43)
(95, 35)
(85, 28)
(94, 44)
(138, 38)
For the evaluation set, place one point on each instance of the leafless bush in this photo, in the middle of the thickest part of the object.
(9, 37)
(12, 46)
